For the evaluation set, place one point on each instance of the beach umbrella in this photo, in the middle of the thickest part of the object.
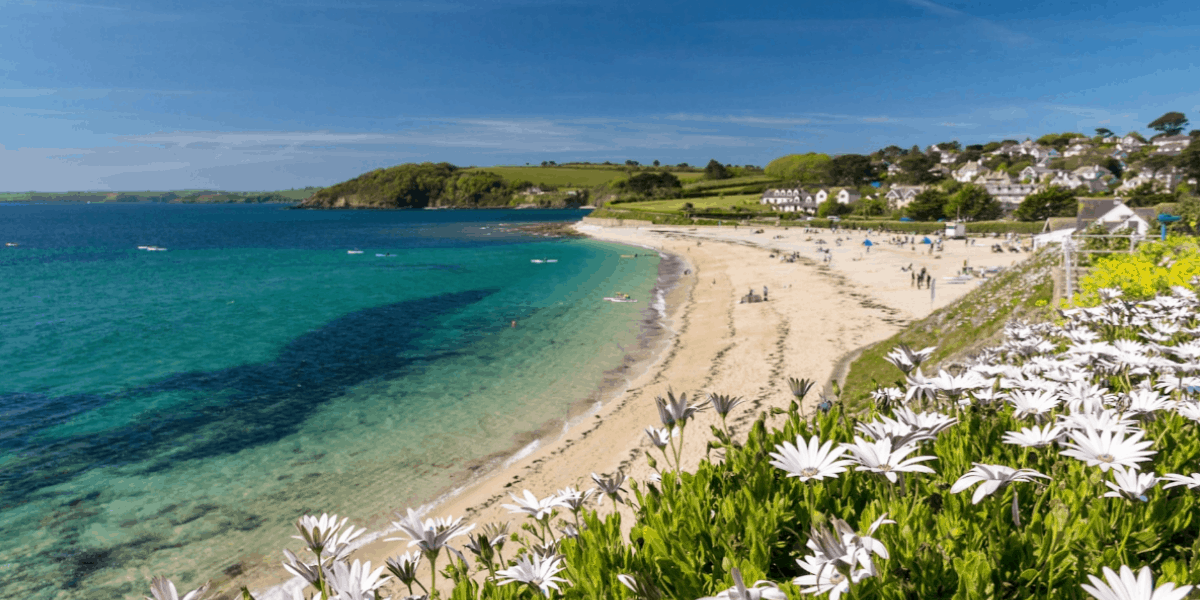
(926, 241)
(868, 243)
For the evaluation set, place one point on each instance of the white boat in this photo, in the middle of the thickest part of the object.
(143, 247)
(354, 252)
(552, 260)
(156, 249)
(389, 254)
(537, 261)
(612, 299)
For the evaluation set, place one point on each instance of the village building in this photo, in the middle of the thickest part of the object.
(1112, 213)
(969, 171)
(1171, 144)
(790, 200)
(847, 195)
(902, 195)
(1077, 150)
(1130, 144)
(1010, 195)
(1036, 174)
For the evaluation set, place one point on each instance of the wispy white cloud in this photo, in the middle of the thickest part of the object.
(989, 28)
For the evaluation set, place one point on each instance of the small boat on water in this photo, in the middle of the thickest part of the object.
(11, 244)
(619, 297)
(544, 260)
(537, 261)
(156, 249)
(551, 260)
(143, 247)
(388, 255)
(354, 252)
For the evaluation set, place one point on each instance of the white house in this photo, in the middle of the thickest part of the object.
(893, 169)
(790, 200)
(1165, 179)
(969, 171)
(901, 195)
(1011, 195)
(1113, 214)
(994, 178)
(821, 195)
(1093, 172)
(1035, 174)
(948, 157)
(1171, 144)
(1130, 144)
(847, 195)
(1077, 149)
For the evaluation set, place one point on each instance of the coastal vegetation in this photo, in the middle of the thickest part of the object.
(1079, 461)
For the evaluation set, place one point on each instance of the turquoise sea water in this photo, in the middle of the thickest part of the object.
(174, 412)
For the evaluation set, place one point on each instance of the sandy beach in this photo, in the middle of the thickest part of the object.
(817, 314)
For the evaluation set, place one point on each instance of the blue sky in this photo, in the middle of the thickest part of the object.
(255, 95)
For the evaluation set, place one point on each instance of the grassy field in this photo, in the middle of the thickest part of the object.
(686, 178)
(559, 176)
(726, 202)
(703, 184)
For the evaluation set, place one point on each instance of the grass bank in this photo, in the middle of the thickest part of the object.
(1024, 291)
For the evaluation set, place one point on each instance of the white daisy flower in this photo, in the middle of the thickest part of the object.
(810, 460)
(659, 437)
(762, 590)
(532, 506)
(164, 589)
(1035, 437)
(1107, 450)
(1128, 483)
(536, 571)
(993, 477)
(355, 581)
(1035, 404)
(1191, 481)
(881, 457)
(1105, 420)
(1127, 587)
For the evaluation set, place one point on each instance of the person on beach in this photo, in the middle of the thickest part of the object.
(764, 293)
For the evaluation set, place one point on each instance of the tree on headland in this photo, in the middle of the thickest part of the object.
(1053, 202)
(715, 170)
(1171, 123)
(1104, 132)
(656, 163)
(803, 168)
